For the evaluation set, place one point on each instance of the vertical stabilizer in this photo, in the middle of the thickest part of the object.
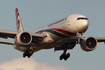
(18, 21)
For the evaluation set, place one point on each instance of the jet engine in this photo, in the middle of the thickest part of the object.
(23, 38)
(88, 44)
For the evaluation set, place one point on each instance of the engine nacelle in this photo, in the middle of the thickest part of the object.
(88, 44)
(23, 38)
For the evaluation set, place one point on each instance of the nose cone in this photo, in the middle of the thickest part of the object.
(82, 25)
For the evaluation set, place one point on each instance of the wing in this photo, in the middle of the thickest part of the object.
(6, 34)
(70, 43)
(37, 37)
(75, 39)
(11, 34)
(100, 39)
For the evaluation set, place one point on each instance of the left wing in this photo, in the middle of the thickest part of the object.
(100, 39)
(87, 43)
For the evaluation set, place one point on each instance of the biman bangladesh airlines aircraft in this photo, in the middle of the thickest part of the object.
(63, 34)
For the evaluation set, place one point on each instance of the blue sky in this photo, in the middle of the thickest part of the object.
(37, 13)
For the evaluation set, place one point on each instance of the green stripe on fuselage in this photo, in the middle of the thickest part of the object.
(56, 33)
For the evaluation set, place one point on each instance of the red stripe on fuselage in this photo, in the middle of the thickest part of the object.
(41, 32)
(63, 31)
(59, 30)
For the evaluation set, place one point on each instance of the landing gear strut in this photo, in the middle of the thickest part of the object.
(28, 52)
(64, 55)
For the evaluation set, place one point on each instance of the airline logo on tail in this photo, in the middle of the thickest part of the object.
(18, 21)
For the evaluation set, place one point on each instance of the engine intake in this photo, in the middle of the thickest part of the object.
(88, 44)
(23, 38)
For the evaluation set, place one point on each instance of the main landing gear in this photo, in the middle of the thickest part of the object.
(28, 52)
(64, 55)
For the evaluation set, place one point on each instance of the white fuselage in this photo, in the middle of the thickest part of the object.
(60, 30)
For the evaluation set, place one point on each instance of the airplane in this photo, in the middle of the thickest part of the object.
(63, 34)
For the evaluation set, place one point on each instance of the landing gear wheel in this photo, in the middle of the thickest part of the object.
(61, 57)
(24, 55)
(64, 56)
(27, 53)
(68, 55)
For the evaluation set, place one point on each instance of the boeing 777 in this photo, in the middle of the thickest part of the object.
(63, 34)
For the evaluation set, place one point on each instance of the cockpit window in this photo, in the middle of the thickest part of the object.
(82, 18)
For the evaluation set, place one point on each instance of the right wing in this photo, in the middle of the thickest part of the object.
(5, 34)
(12, 34)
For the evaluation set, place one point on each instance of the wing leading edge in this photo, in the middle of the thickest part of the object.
(100, 39)
(12, 34)
(73, 41)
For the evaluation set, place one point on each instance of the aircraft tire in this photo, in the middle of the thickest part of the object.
(66, 56)
(60, 57)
